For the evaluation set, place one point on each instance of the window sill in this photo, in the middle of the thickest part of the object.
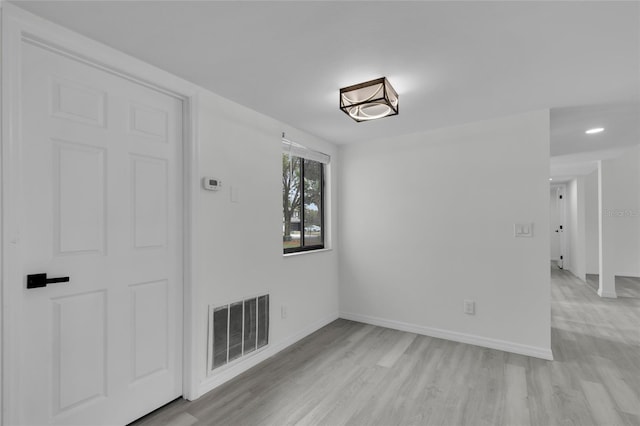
(306, 252)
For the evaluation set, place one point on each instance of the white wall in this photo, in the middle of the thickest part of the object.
(591, 222)
(426, 221)
(621, 211)
(240, 244)
(575, 228)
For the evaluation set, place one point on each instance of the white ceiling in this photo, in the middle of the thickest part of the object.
(451, 62)
(576, 153)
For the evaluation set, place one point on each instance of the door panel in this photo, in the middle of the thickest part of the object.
(149, 189)
(101, 177)
(75, 102)
(79, 204)
(79, 371)
(148, 122)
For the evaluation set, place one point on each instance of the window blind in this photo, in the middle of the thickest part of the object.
(297, 150)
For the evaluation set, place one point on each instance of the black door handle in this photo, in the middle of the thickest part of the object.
(41, 280)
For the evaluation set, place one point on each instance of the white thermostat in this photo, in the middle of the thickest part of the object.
(211, 184)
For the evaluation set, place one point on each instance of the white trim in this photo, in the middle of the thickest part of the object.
(10, 236)
(298, 253)
(17, 23)
(455, 336)
(191, 178)
(216, 380)
(607, 294)
(583, 279)
(3, 136)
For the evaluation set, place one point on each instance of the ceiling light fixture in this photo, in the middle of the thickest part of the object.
(369, 101)
(595, 130)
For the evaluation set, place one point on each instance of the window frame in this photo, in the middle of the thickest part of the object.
(302, 247)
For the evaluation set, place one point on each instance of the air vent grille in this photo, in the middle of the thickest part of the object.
(237, 329)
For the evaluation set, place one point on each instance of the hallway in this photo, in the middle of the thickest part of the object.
(596, 346)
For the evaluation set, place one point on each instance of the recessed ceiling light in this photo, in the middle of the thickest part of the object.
(595, 130)
(550, 178)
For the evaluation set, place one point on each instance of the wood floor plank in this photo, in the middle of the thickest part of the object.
(626, 398)
(390, 358)
(541, 392)
(182, 419)
(600, 404)
(630, 419)
(517, 409)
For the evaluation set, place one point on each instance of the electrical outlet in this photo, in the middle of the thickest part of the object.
(283, 311)
(469, 307)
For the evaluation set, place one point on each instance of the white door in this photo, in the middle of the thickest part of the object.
(101, 183)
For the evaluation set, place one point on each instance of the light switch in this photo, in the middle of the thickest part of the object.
(523, 230)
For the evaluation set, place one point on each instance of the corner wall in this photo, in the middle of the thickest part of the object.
(591, 222)
(427, 221)
(240, 243)
(576, 227)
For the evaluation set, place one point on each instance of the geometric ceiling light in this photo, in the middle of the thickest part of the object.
(369, 101)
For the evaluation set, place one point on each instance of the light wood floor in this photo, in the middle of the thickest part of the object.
(351, 373)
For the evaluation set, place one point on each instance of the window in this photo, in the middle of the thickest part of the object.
(302, 198)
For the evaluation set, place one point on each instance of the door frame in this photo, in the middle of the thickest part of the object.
(561, 189)
(18, 24)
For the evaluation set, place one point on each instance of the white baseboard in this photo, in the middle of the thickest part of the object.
(581, 277)
(502, 345)
(628, 275)
(227, 374)
(607, 294)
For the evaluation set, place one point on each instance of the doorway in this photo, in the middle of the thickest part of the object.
(557, 225)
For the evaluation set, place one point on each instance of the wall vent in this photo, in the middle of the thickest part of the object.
(237, 329)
